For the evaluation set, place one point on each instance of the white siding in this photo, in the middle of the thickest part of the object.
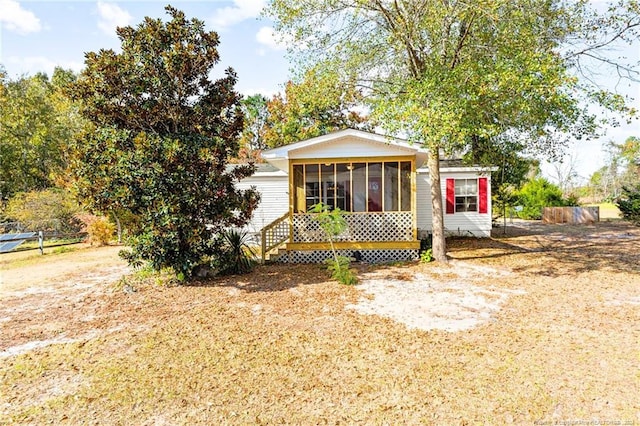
(351, 147)
(423, 194)
(274, 200)
(274, 203)
(457, 223)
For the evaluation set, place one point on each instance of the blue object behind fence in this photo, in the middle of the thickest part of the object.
(8, 242)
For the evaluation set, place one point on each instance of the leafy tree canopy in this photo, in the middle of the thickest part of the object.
(443, 73)
(37, 121)
(254, 109)
(48, 209)
(162, 134)
(319, 104)
(628, 154)
(622, 169)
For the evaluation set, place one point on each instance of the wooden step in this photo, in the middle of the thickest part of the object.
(275, 257)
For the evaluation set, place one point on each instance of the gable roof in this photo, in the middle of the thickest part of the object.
(262, 169)
(349, 143)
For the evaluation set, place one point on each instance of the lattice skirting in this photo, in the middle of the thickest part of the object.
(379, 226)
(369, 256)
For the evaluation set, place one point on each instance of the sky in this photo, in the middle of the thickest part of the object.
(37, 35)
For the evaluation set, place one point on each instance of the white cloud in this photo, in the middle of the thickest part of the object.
(267, 37)
(15, 18)
(241, 10)
(111, 17)
(33, 64)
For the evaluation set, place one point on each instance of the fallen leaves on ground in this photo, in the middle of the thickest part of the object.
(278, 345)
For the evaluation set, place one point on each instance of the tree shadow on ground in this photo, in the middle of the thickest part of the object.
(528, 247)
(272, 277)
(563, 249)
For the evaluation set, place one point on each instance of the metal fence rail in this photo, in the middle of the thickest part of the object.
(10, 241)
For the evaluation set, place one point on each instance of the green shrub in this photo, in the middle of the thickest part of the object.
(536, 194)
(333, 224)
(99, 229)
(426, 256)
(629, 204)
(236, 256)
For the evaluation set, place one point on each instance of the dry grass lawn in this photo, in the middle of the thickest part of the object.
(280, 346)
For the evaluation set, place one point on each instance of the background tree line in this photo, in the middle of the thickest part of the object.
(622, 169)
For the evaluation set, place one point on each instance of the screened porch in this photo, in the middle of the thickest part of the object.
(378, 198)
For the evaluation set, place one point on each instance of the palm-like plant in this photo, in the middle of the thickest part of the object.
(237, 256)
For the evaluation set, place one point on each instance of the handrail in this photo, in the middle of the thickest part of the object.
(274, 234)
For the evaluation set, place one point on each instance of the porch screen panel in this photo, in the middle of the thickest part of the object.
(359, 184)
(328, 187)
(311, 185)
(391, 189)
(343, 187)
(374, 188)
(405, 186)
(299, 202)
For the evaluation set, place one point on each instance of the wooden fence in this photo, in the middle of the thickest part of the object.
(571, 214)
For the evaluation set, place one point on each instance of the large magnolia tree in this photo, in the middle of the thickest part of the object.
(446, 73)
(161, 135)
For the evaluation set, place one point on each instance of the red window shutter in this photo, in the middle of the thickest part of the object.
(451, 196)
(483, 203)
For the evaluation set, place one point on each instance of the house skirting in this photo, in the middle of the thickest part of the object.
(369, 256)
(355, 245)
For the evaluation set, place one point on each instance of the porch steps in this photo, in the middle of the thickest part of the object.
(273, 237)
(278, 256)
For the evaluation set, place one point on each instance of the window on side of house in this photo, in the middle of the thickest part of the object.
(466, 193)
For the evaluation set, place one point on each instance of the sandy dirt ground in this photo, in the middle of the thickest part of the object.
(20, 271)
(544, 319)
(57, 297)
(437, 299)
(66, 301)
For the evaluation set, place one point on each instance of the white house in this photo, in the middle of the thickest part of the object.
(382, 185)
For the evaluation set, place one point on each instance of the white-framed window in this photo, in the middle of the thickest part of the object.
(466, 195)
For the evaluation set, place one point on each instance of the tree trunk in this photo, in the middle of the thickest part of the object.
(119, 228)
(439, 245)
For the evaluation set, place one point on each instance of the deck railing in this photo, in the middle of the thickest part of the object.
(274, 234)
(372, 226)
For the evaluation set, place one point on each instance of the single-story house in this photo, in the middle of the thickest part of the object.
(382, 185)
